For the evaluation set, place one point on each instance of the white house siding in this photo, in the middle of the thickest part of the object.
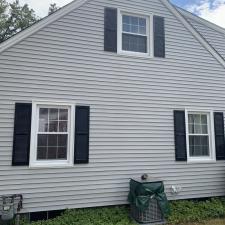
(132, 102)
(215, 38)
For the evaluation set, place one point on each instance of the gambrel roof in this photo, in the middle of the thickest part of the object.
(209, 35)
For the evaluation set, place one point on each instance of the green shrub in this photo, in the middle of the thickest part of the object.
(196, 211)
(183, 211)
(95, 216)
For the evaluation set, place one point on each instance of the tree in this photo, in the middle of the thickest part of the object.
(52, 8)
(14, 18)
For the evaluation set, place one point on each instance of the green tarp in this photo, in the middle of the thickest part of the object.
(142, 192)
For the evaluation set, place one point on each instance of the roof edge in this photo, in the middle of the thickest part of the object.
(201, 20)
(194, 32)
(41, 24)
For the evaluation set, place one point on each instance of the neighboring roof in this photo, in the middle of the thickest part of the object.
(213, 34)
(77, 3)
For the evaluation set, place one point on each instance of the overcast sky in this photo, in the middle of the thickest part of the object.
(212, 10)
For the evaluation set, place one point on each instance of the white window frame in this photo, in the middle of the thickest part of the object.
(149, 33)
(212, 153)
(34, 131)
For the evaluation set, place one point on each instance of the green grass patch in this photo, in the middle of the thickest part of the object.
(182, 212)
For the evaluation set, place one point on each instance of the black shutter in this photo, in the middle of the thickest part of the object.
(219, 135)
(159, 37)
(22, 128)
(81, 154)
(180, 136)
(110, 30)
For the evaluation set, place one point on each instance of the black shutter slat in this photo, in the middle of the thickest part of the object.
(110, 30)
(159, 37)
(21, 137)
(180, 136)
(81, 150)
(219, 135)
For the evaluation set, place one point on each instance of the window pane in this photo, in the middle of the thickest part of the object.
(134, 43)
(204, 119)
(43, 120)
(53, 126)
(142, 22)
(199, 145)
(43, 114)
(62, 140)
(41, 153)
(142, 30)
(134, 24)
(62, 153)
(53, 114)
(63, 114)
(134, 20)
(42, 140)
(52, 140)
(126, 28)
(63, 126)
(197, 124)
(126, 19)
(134, 29)
(52, 153)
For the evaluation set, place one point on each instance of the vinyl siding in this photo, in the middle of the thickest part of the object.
(215, 39)
(131, 109)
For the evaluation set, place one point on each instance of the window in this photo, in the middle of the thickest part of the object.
(134, 34)
(199, 135)
(51, 135)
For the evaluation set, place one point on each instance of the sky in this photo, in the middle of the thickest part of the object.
(212, 10)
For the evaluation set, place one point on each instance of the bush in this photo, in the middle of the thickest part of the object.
(183, 211)
(196, 211)
(95, 216)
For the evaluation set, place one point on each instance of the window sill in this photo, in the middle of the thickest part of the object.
(202, 161)
(50, 165)
(135, 55)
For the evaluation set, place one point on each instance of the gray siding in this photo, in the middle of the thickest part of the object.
(132, 101)
(214, 38)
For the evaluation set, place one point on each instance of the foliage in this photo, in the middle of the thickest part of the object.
(94, 216)
(196, 211)
(52, 8)
(183, 212)
(14, 18)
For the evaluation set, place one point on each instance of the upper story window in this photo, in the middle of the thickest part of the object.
(134, 33)
(199, 133)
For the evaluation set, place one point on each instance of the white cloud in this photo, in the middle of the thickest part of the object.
(41, 6)
(211, 10)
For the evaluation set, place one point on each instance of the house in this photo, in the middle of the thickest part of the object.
(103, 91)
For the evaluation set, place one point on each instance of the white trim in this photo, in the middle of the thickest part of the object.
(33, 143)
(211, 135)
(194, 32)
(41, 24)
(149, 35)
